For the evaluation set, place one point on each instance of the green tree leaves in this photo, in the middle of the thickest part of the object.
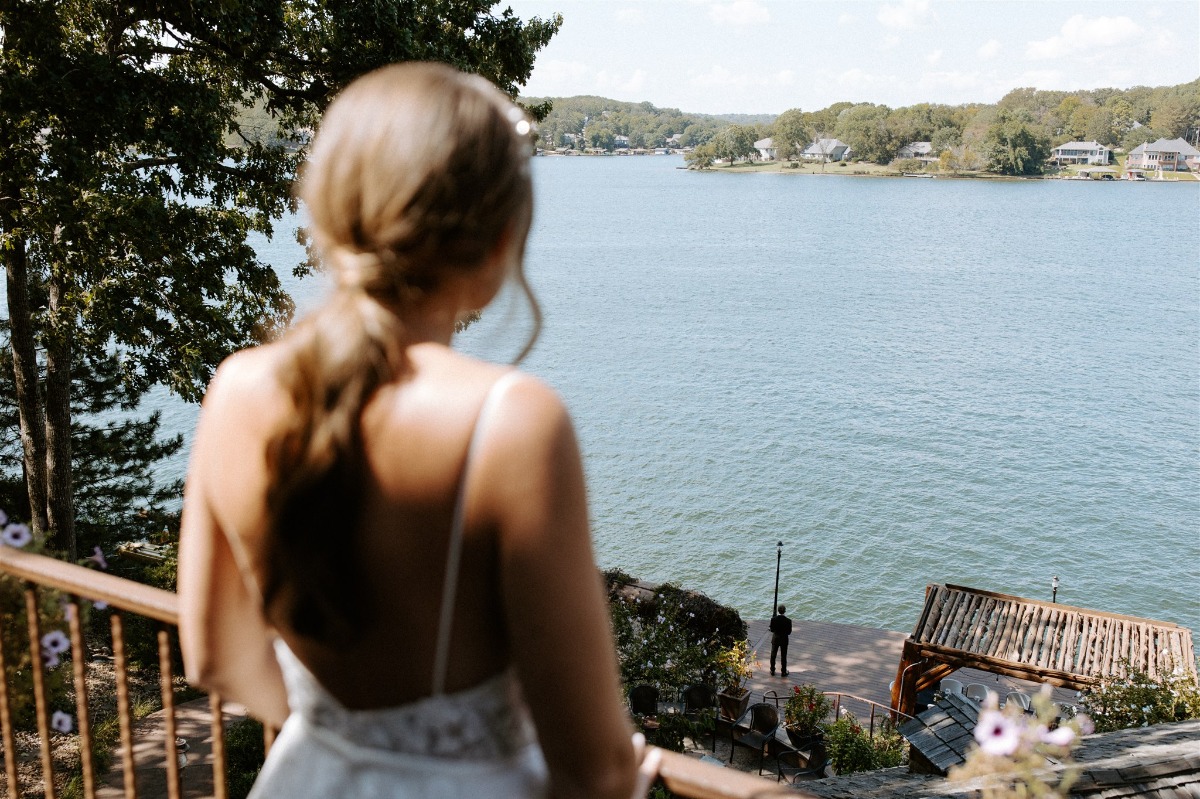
(1013, 145)
(131, 176)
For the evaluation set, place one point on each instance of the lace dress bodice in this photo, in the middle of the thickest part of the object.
(486, 721)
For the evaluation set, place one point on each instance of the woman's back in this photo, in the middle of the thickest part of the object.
(416, 434)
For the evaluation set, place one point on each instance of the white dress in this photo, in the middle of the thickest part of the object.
(474, 743)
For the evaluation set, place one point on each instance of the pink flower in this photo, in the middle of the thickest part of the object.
(1086, 727)
(62, 721)
(1059, 736)
(997, 734)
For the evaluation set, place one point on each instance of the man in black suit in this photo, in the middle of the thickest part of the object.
(781, 628)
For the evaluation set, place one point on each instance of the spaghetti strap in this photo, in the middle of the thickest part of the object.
(441, 657)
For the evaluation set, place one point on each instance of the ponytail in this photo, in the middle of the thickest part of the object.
(336, 360)
(418, 171)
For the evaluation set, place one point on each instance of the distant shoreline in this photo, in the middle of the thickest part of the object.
(869, 170)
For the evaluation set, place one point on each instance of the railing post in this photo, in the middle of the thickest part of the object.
(39, 687)
(218, 745)
(124, 712)
(6, 730)
(166, 683)
(83, 719)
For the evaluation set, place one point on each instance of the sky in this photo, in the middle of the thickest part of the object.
(766, 56)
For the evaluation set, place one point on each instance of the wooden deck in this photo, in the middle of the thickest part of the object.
(853, 660)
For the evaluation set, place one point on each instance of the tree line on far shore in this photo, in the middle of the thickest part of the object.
(1014, 136)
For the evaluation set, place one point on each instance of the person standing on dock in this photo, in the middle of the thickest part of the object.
(781, 628)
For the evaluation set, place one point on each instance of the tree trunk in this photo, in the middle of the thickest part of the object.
(25, 377)
(60, 497)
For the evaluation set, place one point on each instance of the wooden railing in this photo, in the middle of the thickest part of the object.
(684, 776)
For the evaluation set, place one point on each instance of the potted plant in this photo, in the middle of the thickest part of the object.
(732, 672)
(804, 713)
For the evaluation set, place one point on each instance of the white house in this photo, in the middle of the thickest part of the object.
(826, 150)
(1172, 155)
(1081, 152)
(922, 150)
(766, 149)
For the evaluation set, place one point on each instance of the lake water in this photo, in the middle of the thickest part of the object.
(905, 381)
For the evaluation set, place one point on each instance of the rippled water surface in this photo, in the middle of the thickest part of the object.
(907, 381)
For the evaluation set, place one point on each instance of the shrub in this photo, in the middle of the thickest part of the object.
(890, 747)
(908, 165)
(658, 651)
(806, 708)
(704, 619)
(1137, 700)
(733, 667)
(849, 745)
(244, 753)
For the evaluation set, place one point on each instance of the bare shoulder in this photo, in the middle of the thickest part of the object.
(246, 375)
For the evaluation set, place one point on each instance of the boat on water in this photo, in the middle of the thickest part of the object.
(918, 175)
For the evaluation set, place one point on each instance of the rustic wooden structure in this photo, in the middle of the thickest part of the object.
(1031, 640)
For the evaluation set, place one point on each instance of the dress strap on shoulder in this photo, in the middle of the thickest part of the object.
(441, 658)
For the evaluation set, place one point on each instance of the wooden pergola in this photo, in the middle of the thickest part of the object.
(1031, 640)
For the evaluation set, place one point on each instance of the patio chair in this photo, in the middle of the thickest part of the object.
(977, 693)
(951, 687)
(1022, 700)
(793, 766)
(764, 721)
(699, 707)
(643, 700)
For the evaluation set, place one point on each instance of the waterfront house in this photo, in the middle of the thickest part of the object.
(1080, 152)
(827, 150)
(921, 150)
(1170, 155)
(766, 149)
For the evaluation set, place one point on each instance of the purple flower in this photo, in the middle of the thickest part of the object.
(100, 604)
(62, 721)
(3, 518)
(97, 557)
(50, 660)
(55, 642)
(16, 535)
(997, 734)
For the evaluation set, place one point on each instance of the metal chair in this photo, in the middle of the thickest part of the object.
(977, 693)
(793, 766)
(951, 687)
(699, 707)
(764, 721)
(775, 698)
(1021, 699)
(643, 700)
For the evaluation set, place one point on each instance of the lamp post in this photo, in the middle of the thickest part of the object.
(1054, 589)
(778, 559)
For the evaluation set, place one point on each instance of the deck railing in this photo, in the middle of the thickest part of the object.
(684, 776)
(875, 711)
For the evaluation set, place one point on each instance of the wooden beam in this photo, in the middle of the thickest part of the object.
(960, 659)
